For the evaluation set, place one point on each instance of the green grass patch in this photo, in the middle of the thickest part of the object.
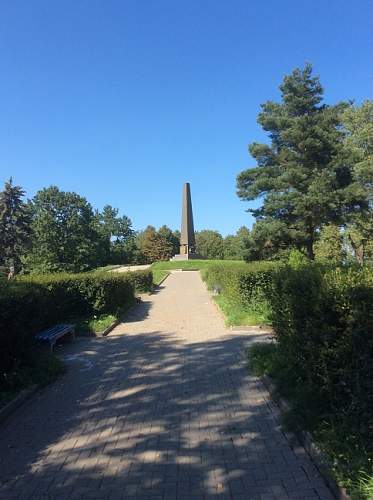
(159, 275)
(237, 314)
(191, 265)
(96, 325)
(350, 459)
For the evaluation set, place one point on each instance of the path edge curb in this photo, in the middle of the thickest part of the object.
(110, 328)
(305, 439)
(16, 402)
(162, 280)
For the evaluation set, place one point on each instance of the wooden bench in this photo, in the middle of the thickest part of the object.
(56, 332)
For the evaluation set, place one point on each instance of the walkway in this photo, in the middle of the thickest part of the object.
(163, 408)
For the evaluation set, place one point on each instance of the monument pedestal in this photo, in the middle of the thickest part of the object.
(185, 256)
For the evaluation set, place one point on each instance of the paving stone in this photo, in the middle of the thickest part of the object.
(162, 408)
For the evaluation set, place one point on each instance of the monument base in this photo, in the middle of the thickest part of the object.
(185, 256)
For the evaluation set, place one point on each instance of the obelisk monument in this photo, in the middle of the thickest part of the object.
(187, 238)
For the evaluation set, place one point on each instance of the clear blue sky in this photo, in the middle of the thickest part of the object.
(124, 100)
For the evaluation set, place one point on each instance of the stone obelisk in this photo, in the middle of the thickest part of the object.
(187, 237)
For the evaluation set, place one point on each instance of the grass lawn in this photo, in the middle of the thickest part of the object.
(350, 461)
(237, 315)
(159, 275)
(95, 326)
(191, 265)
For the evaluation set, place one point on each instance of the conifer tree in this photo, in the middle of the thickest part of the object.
(304, 175)
(14, 226)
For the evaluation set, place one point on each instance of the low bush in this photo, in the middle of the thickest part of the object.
(245, 290)
(241, 283)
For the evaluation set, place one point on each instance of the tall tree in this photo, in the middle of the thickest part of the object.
(329, 247)
(116, 231)
(358, 124)
(173, 237)
(14, 226)
(236, 246)
(65, 234)
(303, 175)
(209, 244)
(154, 245)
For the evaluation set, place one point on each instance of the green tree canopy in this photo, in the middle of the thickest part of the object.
(14, 226)
(304, 175)
(156, 245)
(329, 247)
(209, 244)
(64, 232)
(115, 231)
(236, 246)
(358, 124)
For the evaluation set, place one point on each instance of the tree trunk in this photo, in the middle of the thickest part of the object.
(359, 250)
(309, 246)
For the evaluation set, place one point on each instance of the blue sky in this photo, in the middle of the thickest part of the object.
(124, 100)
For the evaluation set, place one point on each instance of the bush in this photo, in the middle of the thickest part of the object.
(244, 283)
(323, 322)
(34, 303)
(142, 280)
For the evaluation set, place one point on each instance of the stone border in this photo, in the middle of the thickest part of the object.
(162, 280)
(311, 448)
(264, 329)
(109, 328)
(16, 402)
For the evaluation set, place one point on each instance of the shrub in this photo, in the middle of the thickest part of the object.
(142, 280)
(245, 283)
(323, 322)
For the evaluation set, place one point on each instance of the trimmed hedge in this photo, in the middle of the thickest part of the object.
(242, 283)
(323, 320)
(35, 302)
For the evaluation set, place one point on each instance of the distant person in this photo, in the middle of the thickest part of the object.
(11, 273)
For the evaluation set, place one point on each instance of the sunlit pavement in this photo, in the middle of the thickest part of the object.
(163, 408)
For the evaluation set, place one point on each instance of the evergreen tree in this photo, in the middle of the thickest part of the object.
(14, 226)
(304, 175)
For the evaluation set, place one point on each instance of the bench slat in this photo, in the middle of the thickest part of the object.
(55, 332)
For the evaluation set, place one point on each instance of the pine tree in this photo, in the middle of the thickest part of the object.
(14, 226)
(304, 175)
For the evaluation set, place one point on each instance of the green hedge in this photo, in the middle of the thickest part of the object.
(323, 320)
(35, 302)
(241, 283)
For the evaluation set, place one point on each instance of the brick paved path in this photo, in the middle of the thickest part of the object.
(163, 408)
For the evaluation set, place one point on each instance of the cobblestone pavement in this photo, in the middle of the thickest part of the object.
(163, 408)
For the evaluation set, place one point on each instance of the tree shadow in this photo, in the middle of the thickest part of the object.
(148, 416)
